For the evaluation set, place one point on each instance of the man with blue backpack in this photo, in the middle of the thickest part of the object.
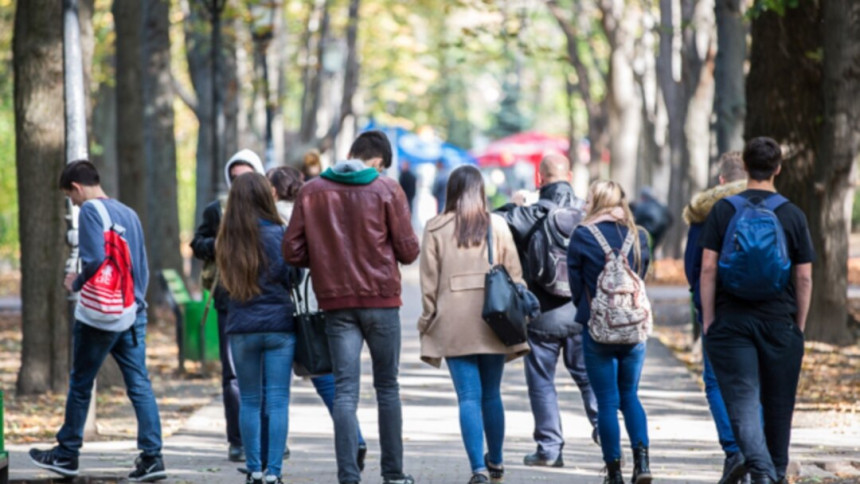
(756, 287)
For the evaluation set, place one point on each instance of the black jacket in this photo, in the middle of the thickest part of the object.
(203, 246)
(557, 314)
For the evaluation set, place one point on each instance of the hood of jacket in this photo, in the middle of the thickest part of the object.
(700, 206)
(243, 156)
(560, 193)
(351, 172)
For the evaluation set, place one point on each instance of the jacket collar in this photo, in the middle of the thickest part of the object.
(351, 172)
(557, 192)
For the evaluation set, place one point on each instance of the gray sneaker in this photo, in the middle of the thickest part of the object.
(535, 460)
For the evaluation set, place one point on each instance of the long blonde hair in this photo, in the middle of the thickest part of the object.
(606, 196)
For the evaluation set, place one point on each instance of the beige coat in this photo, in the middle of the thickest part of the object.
(452, 288)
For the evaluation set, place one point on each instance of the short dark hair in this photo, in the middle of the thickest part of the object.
(762, 157)
(287, 181)
(372, 144)
(81, 172)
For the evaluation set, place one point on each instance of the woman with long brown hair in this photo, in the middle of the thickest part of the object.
(454, 261)
(613, 369)
(259, 322)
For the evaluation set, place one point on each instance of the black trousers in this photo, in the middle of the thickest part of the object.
(757, 362)
(229, 384)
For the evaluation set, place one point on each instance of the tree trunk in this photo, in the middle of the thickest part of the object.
(834, 169)
(162, 231)
(105, 140)
(729, 101)
(39, 157)
(127, 16)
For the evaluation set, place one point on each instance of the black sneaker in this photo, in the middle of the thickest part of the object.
(406, 479)
(535, 460)
(734, 468)
(148, 469)
(236, 453)
(497, 473)
(362, 453)
(48, 459)
(478, 478)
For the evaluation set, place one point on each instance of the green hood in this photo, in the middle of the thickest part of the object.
(350, 172)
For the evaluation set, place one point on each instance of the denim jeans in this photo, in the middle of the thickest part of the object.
(229, 385)
(477, 380)
(757, 364)
(540, 367)
(324, 385)
(259, 354)
(718, 408)
(347, 330)
(90, 347)
(614, 372)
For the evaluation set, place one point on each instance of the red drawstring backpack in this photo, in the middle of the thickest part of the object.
(107, 298)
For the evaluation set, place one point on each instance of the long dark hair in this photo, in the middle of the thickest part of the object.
(465, 198)
(238, 250)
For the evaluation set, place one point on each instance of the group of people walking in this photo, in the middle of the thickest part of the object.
(578, 265)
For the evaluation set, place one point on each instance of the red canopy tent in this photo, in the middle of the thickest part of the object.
(528, 147)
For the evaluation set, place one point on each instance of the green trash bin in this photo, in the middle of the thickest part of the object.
(193, 315)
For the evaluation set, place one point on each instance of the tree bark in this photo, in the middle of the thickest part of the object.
(39, 157)
(104, 136)
(162, 231)
(834, 170)
(129, 103)
(729, 101)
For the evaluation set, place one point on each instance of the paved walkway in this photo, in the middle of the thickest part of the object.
(683, 440)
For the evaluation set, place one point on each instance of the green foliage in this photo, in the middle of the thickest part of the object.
(778, 6)
(9, 246)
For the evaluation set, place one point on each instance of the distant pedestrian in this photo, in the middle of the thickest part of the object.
(756, 287)
(113, 255)
(614, 370)
(439, 184)
(260, 318)
(351, 227)
(311, 165)
(203, 247)
(453, 262)
(408, 182)
(537, 231)
(286, 182)
(652, 216)
(732, 180)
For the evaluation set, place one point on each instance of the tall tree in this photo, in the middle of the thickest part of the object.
(802, 90)
(39, 138)
(729, 100)
(159, 145)
(129, 104)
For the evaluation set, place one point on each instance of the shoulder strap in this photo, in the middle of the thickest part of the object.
(600, 238)
(737, 201)
(628, 242)
(103, 213)
(490, 240)
(775, 201)
(548, 206)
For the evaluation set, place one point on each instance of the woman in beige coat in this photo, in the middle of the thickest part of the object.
(453, 264)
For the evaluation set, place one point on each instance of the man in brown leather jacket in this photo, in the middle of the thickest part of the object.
(352, 227)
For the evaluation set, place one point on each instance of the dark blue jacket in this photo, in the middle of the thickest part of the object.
(585, 261)
(693, 265)
(272, 310)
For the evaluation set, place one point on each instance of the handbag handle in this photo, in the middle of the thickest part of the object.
(490, 240)
(298, 296)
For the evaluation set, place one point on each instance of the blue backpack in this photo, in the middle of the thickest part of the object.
(754, 263)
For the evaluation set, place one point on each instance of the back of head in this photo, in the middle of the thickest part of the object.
(370, 145)
(553, 168)
(286, 181)
(732, 167)
(606, 197)
(762, 158)
(238, 249)
(82, 172)
(465, 197)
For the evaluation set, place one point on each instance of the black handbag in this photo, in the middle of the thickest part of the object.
(504, 309)
(312, 351)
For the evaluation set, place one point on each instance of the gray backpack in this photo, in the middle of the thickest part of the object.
(620, 310)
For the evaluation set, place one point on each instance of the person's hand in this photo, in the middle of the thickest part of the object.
(520, 197)
(69, 280)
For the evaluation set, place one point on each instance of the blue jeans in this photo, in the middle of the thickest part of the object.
(90, 347)
(540, 367)
(758, 369)
(325, 389)
(614, 372)
(477, 380)
(347, 330)
(256, 354)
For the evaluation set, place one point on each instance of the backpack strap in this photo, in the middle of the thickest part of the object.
(103, 213)
(627, 246)
(775, 201)
(600, 239)
(490, 240)
(737, 201)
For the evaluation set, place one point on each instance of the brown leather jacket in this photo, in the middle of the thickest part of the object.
(352, 237)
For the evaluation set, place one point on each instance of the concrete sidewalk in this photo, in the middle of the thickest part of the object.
(683, 439)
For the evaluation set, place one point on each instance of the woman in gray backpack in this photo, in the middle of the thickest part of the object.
(607, 258)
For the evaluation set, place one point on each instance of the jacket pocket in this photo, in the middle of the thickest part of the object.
(467, 282)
